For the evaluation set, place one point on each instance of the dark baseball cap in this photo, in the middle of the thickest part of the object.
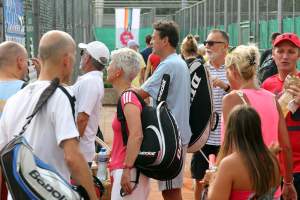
(287, 37)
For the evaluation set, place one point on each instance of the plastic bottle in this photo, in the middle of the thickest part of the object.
(102, 162)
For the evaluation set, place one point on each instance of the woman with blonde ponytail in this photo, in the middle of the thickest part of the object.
(241, 68)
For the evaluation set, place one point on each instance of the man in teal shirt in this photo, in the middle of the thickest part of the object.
(13, 68)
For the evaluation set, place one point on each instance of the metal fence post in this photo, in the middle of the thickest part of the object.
(191, 21)
(36, 27)
(197, 21)
(249, 17)
(205, 18)
(294, 10)
(184, 21)
(257, 23)
(239, 23)
(65, 16)
(73, 20)
(53, 14)
(267, 21)
(225, 15)
(214, 13)
(280, 16)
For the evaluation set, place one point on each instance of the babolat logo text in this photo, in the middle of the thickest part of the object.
(36, 175)
(147, 153)
(161, 89)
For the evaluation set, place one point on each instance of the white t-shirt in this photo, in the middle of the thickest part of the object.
(89, 93)
(52, 124)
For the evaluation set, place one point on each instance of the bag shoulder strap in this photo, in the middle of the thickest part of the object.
(24, 85)
(121, 117)
(164, 89)
(72, 100)
(46, 94)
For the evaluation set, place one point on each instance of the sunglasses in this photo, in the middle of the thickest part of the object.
(81, 52)
(211, 43)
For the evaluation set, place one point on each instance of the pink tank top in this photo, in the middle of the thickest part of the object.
(264, 103)
(239, 195)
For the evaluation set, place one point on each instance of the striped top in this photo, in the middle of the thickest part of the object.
(219, 93)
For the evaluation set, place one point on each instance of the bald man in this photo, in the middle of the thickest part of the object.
(13, 67)
(52, 132)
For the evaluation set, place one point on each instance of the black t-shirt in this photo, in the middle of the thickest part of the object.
(189, 61)
(146, 53)
(199, 56)
(264, 56)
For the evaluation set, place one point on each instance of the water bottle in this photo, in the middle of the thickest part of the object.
(102, 161)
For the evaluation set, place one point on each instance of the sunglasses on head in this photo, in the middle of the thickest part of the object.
(211, 43)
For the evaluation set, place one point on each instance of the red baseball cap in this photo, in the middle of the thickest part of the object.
(287, 37)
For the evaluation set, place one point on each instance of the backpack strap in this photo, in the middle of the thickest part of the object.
(71, 99)
(46, 94)
(121, 117)
(164, 89)
(24, 85)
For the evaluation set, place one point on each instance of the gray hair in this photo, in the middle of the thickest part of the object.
(96, 63)
(129, 61)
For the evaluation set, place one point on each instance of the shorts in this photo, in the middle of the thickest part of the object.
(176, 182)
(141, 192)
(199, 164)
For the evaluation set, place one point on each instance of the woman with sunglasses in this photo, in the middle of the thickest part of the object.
(246, 167)
(241, 68)
(123, 68)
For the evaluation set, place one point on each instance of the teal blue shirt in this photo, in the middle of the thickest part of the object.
(179, 91)
(7, 89)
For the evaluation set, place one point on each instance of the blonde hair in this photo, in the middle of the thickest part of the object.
(245, 60)
(189, 45)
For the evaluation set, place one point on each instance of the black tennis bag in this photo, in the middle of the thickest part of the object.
(202, 105)
(160, 155)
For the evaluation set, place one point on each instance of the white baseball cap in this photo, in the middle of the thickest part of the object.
(97, 50)
(132, 43)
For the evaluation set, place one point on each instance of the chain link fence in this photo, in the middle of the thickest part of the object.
(76, 17)
(244, 20)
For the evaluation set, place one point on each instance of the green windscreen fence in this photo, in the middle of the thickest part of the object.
(142, 34)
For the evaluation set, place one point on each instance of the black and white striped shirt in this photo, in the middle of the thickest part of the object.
(219, 93)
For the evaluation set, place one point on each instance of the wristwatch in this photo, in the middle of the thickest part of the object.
(124, 166)
(228, 88)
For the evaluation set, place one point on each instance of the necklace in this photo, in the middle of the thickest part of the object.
(126, 89)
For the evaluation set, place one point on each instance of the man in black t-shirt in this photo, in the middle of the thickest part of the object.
(268, 51)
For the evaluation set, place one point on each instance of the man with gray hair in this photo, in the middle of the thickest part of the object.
(89, 93)
(13, 68)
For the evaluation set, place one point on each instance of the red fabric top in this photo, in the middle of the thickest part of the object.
(155, 60)
(118, 152)
(239, 195)
(275, 85)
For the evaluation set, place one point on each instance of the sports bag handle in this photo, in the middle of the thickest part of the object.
(217, 121)
(164, 89)
(46, 94)
(122, 193)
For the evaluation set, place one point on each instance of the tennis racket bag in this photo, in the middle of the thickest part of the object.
(202, 105)
(26, 176)
(160, 155)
